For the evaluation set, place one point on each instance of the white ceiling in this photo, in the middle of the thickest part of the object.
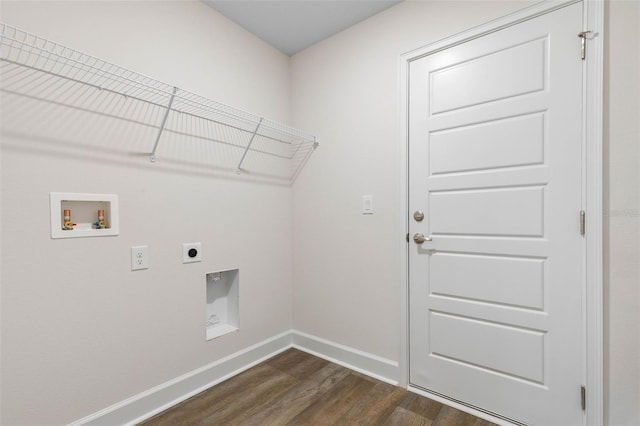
(293, 25)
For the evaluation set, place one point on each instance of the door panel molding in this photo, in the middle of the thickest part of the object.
(593, 18)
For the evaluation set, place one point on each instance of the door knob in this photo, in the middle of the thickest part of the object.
(420, 238)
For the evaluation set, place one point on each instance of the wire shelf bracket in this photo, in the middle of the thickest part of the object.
(244, 154)
(40, 70)
(164, 121)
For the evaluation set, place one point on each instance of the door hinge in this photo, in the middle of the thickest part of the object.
(407, 237)
(583, 397)
(583, 44)
(583, 222)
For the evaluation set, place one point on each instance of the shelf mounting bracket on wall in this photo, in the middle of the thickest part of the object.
(164, 121)
(253, 136)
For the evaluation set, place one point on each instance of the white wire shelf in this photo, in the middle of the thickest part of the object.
(42, 71)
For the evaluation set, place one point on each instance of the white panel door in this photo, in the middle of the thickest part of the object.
(495, 165)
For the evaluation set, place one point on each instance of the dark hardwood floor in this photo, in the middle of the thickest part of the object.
(295, 388)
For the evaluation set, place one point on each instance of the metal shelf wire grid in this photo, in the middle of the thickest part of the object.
(38, 69)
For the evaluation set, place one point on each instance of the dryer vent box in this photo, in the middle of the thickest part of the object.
(223, 301)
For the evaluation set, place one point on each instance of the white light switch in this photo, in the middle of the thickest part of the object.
(139, 258)
(367, 204)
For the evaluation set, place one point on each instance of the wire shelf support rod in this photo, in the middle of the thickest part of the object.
(253, 136)
(164, 122)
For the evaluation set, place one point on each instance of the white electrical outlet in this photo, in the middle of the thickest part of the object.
(191, 252)
(139, 258)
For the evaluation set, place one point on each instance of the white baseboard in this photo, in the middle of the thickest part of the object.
(157, 399)
(377, 367)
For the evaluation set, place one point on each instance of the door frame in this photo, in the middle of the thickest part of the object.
(592, 91)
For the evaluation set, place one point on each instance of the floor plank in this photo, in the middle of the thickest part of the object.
(375, 407)
(449, 416)
(298, 398)
(332, 405)
(244, 405)
(207, 402)
(298, 364)
(403, 417)
(422, 406)
(296, 388)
